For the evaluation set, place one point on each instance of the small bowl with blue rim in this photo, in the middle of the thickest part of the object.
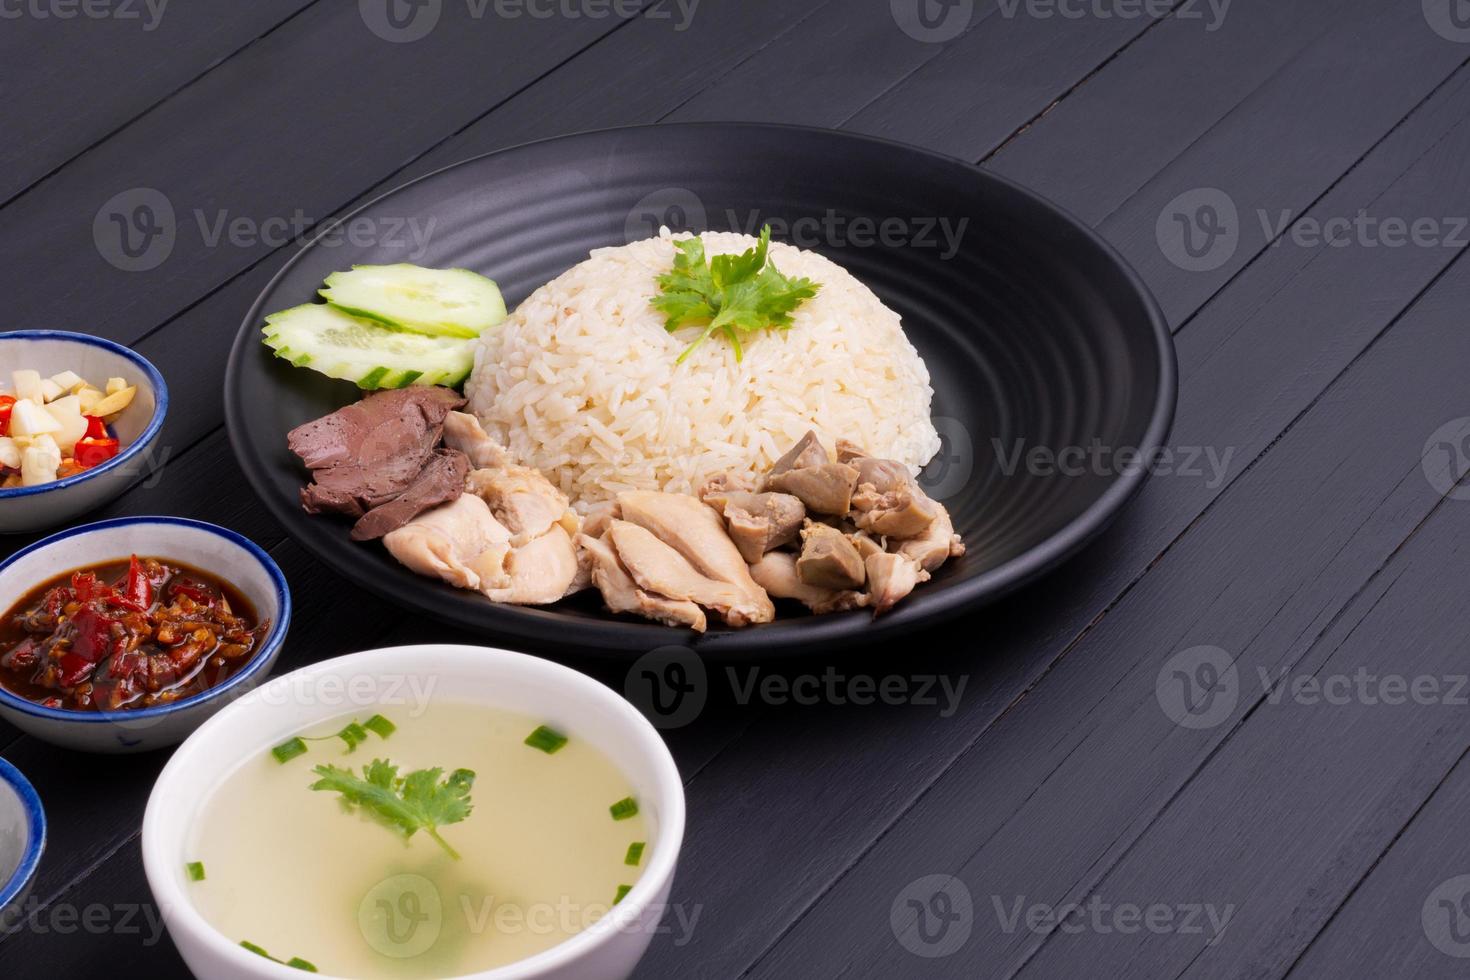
(208, 548)
(47, 505)
(22, 839)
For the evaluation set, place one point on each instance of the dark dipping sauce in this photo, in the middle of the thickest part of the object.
(134, 633)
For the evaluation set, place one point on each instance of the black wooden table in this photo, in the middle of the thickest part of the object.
(1043, 790)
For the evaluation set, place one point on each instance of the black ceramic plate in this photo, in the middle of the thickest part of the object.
(1043, 345)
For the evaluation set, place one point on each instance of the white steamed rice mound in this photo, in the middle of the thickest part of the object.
(581, 381)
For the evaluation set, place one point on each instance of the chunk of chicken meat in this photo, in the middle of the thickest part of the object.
(885, 475)
(622, 595)
(828, 559)
(537, 573)
(901, 513)
(807, 452)
(524, 501)
(447, 541)
(776, 573)
(936, 545)
(759, 522)
(891, 578)
(824, 489)
(849, 451)
(463, 431)
(888, 500)
(725, 483)
(463, 544)
(697, 532)
(661, 570)
(599, 515)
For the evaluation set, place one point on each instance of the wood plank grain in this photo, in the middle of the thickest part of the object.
(111, 927)
(1033, 608)
(131, 54)
(1333, 757)
(243, 178)
(1223, 407)
(1064, 781)
(1406, 917)
(1165, 92)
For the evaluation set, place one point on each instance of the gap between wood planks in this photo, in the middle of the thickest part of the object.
(41, 178)
(1081, 636)
(213, 431)
(1346, 608)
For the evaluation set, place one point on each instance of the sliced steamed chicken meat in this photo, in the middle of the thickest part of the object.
(891, 578)
(936, 545)
(542, 571)
(510, 536)
(623, 595)
(462, 431)
(449, 541)
(697, 532)
(758, 522)
(524, 501)
(776, 573)
(660, 570)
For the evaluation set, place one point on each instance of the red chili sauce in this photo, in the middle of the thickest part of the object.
(126, 634)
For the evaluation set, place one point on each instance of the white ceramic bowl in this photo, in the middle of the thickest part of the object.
(569, 701)
(96, 360)
(207, 547)
(22, 839)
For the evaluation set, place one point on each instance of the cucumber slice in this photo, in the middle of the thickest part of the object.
(443, 302)
(333, 343)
